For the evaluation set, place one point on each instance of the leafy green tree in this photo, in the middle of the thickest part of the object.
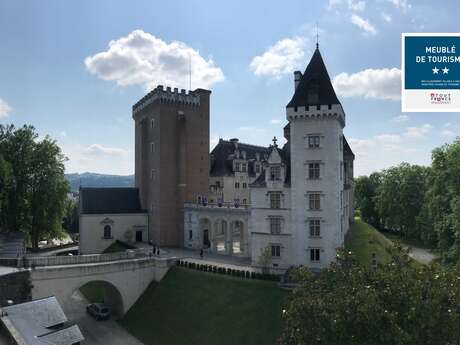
(38, 190)
(5, 187)
(398, 303)
(366, 198)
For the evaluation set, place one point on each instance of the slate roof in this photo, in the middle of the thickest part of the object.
(221, 165)
(110, 200)
(315, 79)
(347, 149)
(65, 336)
(43, 321)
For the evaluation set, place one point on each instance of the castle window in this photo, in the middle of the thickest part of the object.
(237, 185)
(257, 168)
(152, 147)
(329, 106)
(245, 185)
(315, 227)
(153, 174)
(276, 250)
(152, 123)
(190, 234)
(245, 201)
(313, 141)
(237, 166)
(313, 171)
(275, 225)
(315, 254)
(314, 201)
(243, 167)
(217, 184)
(107, 231)
(275, 200)
(275, 173)
(318, 107)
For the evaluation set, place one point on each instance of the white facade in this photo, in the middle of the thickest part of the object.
(99, 231)
(270, 205)
(329, 185)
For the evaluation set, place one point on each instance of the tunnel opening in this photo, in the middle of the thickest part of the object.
(101, 291)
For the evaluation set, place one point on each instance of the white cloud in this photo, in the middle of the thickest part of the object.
(388, 138)
(276, 121)
(143, 59)
(5, 108)
(282, 58)
(403, 5)
(356, 5)
(387, 17)
(400, 118)
(418, 132)
(363, 24)
(448, 133)
(371, 83)
(353, 5)
(98, 158)
(385, 150)
(100, 150)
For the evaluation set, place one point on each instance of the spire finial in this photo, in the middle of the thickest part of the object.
(274, 141)
(317, 36)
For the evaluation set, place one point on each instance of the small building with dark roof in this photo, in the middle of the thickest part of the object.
(107, 215)
(39, 322)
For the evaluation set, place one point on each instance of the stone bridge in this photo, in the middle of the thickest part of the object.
(123, 281)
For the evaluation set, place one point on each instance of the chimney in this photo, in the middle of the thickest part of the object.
(297, 77)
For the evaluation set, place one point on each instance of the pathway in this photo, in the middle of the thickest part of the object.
(96, 332)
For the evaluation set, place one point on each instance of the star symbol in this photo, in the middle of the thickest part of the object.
(445, 70)
(435, 70)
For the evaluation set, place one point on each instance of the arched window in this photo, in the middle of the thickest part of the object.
(107, 231)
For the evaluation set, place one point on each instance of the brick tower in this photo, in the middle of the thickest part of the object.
(171, 157)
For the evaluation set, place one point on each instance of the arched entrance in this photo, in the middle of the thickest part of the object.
(237, 237)
(102, 291)
(205, 233)
(219, 238)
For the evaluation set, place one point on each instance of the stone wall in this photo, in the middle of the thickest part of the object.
(15, 286)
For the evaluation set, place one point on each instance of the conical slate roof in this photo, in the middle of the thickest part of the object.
(315, 86)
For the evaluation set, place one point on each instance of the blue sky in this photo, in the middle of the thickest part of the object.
(60, 73)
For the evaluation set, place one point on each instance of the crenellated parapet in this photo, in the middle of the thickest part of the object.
(168, 95)
(313, 111)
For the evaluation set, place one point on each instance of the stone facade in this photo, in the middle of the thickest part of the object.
(99, 231)
(300, 202)
(171, 157)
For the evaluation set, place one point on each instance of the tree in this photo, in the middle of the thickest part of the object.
(5, 187)
(366, 198)
(398, 303)
(37, 192)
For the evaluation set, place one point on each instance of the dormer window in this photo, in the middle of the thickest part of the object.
(257, 168)
(275, 173)
(237, 167)
(243, 167)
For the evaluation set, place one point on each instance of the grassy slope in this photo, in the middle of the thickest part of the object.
(192, 307)
(117, 246)
(362, 239)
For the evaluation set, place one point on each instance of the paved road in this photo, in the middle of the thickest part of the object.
(96, 332)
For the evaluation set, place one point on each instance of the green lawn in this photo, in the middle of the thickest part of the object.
(117, 246)
(363, 239)
(192, 307)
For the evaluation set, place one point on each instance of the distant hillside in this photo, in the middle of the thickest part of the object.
(98, 180)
